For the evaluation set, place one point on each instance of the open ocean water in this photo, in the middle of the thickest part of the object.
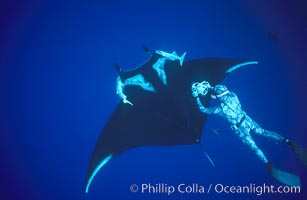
(58, 90)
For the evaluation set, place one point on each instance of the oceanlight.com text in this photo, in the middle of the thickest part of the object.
(196, 188)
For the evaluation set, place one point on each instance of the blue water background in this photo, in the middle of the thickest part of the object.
(58, 86)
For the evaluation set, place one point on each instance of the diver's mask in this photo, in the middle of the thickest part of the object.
(201, 88)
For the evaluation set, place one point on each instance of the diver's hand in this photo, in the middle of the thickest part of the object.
(195, 94)
(126, 101)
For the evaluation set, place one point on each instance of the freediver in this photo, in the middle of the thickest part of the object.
(229, 108)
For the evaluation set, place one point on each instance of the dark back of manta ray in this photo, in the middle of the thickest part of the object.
(168, 117)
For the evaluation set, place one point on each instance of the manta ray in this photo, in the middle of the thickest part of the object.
(157, 108)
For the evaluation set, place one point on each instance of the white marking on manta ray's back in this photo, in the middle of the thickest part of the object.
(120, 91)
(159, 67)
(172, 56)
(240, 65)
(101, 164)
(159, 64)
(137, 80)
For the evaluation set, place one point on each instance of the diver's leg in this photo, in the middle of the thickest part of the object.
(300, 151)
(282, 176)
(243, 133)
(269, 134)
(247, 139)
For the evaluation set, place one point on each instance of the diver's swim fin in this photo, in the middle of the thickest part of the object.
(282, 176)
(300, 151)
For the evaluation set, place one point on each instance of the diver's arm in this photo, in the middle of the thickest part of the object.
(120, 91)
(203, 109)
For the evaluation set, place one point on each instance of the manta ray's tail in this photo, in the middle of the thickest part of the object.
(300, 151)
(282, 176)
(206, 154)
